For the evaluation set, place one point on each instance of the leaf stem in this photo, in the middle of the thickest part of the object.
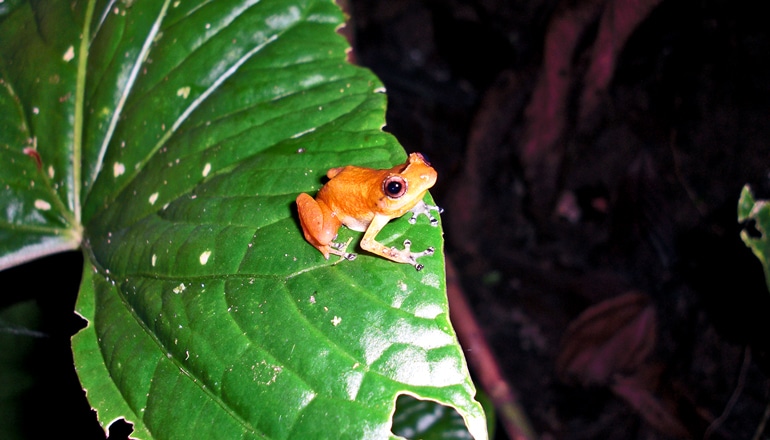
(80, 87)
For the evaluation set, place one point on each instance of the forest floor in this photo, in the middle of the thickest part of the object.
(595, 229)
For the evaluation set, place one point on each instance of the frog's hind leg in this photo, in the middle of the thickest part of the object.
(311, 217)
(320, 227)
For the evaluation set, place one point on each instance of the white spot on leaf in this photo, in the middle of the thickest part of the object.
(118, 169)
(69, 54)
(204, 258)
(206, 169)
(153, 198)
(42, 205)
(336, 321)
(184, 92)
(154, 259)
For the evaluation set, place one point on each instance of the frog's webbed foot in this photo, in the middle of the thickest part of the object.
(339, 249)
(407, 256)
(425, 209)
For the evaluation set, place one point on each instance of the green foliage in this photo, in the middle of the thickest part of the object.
(757, 212)
(168, 140)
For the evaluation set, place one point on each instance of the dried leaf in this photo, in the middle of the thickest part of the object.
(611, 337)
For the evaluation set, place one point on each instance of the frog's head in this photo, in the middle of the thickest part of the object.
(406, 184)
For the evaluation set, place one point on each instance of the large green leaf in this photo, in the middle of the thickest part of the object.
(168, 139)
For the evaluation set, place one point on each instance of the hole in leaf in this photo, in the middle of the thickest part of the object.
(426, 419)
(120, 429)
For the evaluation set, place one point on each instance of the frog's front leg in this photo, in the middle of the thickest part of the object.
(405, 255)
(425, 209)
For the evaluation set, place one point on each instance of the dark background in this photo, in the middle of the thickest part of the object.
(638, 196)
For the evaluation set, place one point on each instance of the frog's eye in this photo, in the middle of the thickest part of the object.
(394, 187)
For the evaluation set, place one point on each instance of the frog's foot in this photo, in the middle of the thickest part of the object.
(339, 249)
(407, 256)
(425, 209)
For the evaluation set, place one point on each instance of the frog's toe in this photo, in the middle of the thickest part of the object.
(339, 249)
(424, 209)
(413, 256)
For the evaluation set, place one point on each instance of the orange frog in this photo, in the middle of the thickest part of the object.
(364, 199)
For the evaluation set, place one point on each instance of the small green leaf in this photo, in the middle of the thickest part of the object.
(757, 211)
